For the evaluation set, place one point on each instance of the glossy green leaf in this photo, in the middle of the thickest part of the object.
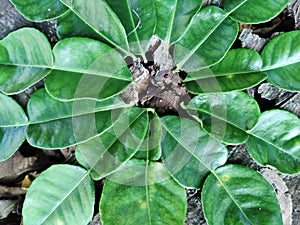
(63, 194)
(116, 145)
(138, 19)
(102, 19)
(40, 10)
(55, 124)
(25, 58)
(173, 16)
(275, 141)
(13, 123)
(202, 45)
(155, 203)
(254, 11)
(281, 61)
(237, 71)
(70, 25)
(188, 152)
(150, 149)
(235, 194)
(227, 116)
(85, 68)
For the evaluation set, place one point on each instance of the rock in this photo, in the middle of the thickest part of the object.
(252, 41)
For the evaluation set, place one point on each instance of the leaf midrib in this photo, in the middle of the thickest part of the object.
(170, 28)
(100, 74)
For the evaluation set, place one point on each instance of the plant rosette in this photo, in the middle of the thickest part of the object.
(150, 93)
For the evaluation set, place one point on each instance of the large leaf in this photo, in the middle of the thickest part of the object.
(40, 10)
(63, 194)
(189, 152)
(238, 195)
(25, 58)
(227, 116)
(13, 123)
(101, 18)
(85, 68)
(237, 71)
(254, 11)
(156, 202)
(110, 150)
(55, 124)
(202, 45)
(275, 140)
(138, 19)
(281, 61)
(173, 16)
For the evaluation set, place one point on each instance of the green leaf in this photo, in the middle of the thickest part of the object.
(254, 11)
(235, 194)
(237, 71)
(25, 58)
(70, 25)
(173, 16)
(63, 194)
(116, 145)
(102, 19)
(13, 124)
(275, 140)
(202, 45)
(227, 116)
(281, 61)
(55, 124)
(189, 152)
(85, 68)
(154, 203)
(150, 149)
(138, 19)
(40, 10)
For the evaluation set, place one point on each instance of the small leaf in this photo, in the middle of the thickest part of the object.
(238, 195)
(138, 19)
(116, 145)
(150, 149)
(227, 116)
(275, 140)
(13, 124)
(173, 16)
(254, 11)
(90, 70)
(281, 61)
(25, 58)
(40, 10)
(101, 18)
(202, 45)
(188, 152)
(237, 71)
(55, 124)
(154, 203)
(63, 194)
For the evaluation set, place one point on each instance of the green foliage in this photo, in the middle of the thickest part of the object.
(148, 160)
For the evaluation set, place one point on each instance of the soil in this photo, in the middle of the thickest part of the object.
(157, 87)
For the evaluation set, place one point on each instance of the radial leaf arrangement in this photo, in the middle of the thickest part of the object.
(148, 159)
